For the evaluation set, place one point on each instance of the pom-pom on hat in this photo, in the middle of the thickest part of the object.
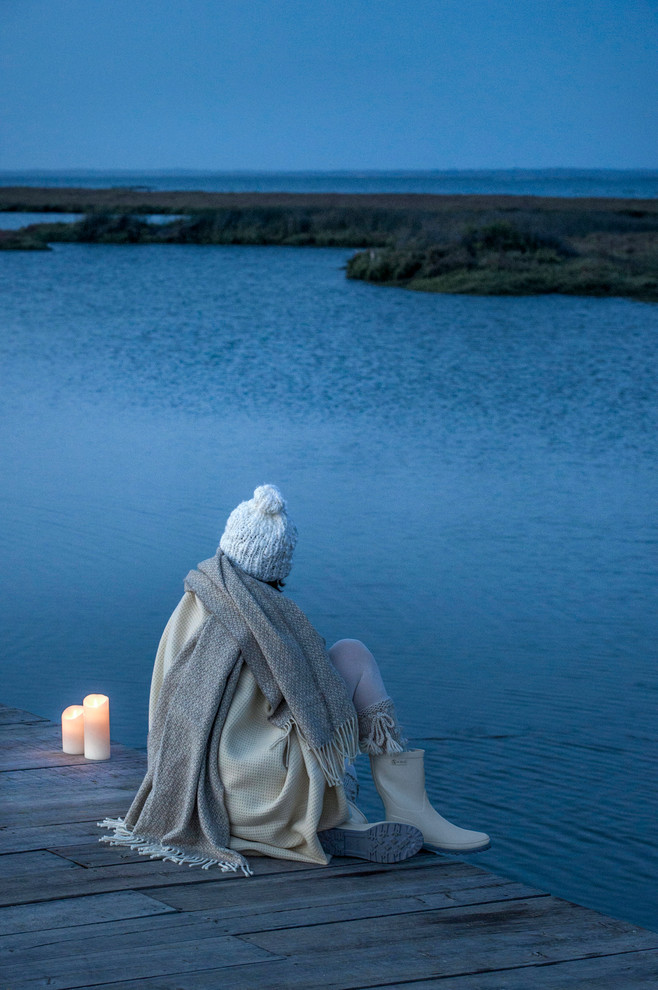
(259, 537)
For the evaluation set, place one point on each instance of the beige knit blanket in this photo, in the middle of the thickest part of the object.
(179, 811)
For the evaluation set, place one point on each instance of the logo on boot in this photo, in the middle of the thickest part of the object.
(399, 763)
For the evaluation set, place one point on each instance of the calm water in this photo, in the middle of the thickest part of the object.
(474, 484)
(634, 183)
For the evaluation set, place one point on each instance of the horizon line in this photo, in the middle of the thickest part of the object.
(545, 170)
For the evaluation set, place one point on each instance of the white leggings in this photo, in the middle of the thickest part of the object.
(358, 668)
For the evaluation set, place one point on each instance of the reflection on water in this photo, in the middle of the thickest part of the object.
(14, 221)
(472, 480)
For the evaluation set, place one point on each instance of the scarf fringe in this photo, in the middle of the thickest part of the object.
(124, 836)
(343, 746)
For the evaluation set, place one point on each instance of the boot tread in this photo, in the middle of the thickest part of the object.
(383, 842)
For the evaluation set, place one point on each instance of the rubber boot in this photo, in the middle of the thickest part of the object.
(400, 782)
(378, 842)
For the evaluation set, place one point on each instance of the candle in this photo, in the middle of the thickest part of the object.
(73, 729)
(97, 727)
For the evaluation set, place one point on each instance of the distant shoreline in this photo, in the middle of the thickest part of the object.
(71, 199)
(561, 182)
(461, 243)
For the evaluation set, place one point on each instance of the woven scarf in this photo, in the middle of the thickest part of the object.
(179, 812)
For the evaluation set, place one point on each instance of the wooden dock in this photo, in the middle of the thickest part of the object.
(79, 913)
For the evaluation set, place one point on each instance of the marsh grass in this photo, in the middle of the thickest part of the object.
(500, 259)
(498, 245)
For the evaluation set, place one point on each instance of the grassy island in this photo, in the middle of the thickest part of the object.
(486, 245)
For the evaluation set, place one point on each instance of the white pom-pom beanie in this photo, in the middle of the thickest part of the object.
(259, 537)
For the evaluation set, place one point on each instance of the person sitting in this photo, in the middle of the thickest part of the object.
(253, 725)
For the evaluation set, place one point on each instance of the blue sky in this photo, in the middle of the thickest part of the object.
(328, 84)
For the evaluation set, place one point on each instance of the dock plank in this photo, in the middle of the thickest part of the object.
(37, 863)
(14, 716)
(145, 874)
(95, 853)
(57, 916)
(625, 971)
(23, 838)
(483, 937)
(149, 874)
(364, 892)
(57, 794)
(38, 745)
(46, 966)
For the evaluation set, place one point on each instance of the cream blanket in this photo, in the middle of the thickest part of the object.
(253, 671)
(276, 797)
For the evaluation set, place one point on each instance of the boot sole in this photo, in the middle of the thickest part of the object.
(384, 842)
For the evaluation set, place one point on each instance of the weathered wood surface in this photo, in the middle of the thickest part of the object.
(77, 913)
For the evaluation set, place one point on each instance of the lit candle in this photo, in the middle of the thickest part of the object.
(97, 727)
(73, 729)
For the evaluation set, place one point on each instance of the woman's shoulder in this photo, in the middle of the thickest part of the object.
(185, 620)
(191, 607)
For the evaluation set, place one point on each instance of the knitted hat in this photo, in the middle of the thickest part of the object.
(259, 537)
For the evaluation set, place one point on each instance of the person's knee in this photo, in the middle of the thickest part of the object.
(353, 659)
(360, 671)
(349, 652)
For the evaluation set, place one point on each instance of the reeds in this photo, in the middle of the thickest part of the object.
(497, 245)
